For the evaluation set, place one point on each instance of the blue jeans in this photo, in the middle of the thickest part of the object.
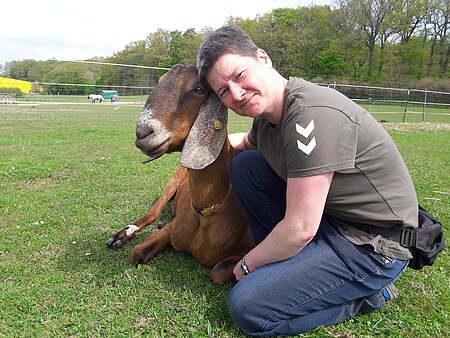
(329, 281)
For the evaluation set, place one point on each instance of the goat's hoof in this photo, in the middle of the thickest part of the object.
(137, 257)
(114, 243)
(111, 242)
(123, 236)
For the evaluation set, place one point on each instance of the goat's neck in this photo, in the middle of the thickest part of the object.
(212, 184)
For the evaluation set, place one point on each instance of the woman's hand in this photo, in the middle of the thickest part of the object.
(238, 272)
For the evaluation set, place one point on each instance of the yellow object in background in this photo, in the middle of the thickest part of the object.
(24, 86)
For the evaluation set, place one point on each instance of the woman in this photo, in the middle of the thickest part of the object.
(324, 188)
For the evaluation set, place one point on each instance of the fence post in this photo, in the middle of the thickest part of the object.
(424, 105)
(406, 104)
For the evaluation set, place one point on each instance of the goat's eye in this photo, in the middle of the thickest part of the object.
(199, 90)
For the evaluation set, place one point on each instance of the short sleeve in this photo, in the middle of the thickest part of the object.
(253, 132)
(319, 140)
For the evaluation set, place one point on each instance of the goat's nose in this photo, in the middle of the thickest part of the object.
(142, 131)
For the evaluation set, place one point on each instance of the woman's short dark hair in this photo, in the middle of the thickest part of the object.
(227, 39)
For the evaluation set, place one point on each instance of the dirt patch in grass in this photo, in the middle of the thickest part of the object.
(408, 127)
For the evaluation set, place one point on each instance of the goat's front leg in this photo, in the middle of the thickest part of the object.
(127, 233)
(157, 241)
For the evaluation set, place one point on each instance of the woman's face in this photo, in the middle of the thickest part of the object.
(242, 83)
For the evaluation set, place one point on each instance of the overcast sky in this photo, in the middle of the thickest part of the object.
(80, 29)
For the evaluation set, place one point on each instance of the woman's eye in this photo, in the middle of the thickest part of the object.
(224, 92)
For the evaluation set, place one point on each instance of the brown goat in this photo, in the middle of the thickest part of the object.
(181, 115)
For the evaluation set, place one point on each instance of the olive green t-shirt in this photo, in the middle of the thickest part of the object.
(323, 131)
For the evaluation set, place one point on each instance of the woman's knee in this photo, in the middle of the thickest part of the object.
(244, 310)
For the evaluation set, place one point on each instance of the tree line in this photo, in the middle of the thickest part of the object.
(396, 43)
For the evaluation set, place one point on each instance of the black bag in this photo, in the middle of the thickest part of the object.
(424, 242)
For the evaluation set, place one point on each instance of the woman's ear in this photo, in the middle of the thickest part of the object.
(264, 57)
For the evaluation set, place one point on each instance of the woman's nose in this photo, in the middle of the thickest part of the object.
(237, 92)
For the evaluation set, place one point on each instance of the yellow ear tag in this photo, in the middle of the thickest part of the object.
(217, 125)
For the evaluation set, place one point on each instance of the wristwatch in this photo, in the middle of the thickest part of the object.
(244, 268)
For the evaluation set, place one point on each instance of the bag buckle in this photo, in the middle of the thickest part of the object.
(407, 237)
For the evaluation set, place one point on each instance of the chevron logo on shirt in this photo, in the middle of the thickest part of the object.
(306, 132)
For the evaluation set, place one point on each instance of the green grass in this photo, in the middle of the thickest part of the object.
(70, 177)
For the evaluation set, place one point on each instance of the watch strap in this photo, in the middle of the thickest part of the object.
(244, 267)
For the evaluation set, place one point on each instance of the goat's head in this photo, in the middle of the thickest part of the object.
(182, 115)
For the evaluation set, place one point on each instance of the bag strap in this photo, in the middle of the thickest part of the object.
(408, 238)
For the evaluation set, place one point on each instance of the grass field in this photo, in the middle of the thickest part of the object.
(70, 177)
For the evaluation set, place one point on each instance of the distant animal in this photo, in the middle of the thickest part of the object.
(182, 115)
(95, 97)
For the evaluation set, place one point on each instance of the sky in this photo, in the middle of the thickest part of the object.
(81, 29)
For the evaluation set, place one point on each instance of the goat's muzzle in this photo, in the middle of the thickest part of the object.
(154, 153)
(151, 137)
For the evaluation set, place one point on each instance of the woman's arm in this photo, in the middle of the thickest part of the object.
(240, 142)
(305, 202)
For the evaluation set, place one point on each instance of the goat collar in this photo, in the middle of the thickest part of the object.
(213, 209)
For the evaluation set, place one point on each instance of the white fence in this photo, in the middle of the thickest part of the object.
(144, 78)
(406, 98)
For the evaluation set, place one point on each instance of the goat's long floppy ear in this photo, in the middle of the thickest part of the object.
(207, 135)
